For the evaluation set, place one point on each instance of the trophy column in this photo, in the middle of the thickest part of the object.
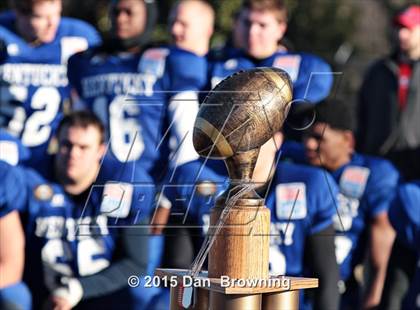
(240, 251)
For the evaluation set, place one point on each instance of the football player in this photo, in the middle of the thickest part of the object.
(260, 26)
(85, 226)
(33, 84)
(402, 285)
(191, 24)
(143, 95)
(367, 185)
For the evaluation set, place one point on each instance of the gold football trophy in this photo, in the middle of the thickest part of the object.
(237, 117)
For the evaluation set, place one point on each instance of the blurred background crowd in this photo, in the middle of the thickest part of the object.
(348, 34)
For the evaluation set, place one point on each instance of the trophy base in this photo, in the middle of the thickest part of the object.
(203, 293)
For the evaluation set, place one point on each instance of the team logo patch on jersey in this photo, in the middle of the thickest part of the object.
(43, 192)
(290, 64)
(57, 200)
(97, 60)
(206, 188)
(116, 199)
(9, 152)
(291, 201)
(353, 181)
(153, 61)
(13, 49)
(231, 64)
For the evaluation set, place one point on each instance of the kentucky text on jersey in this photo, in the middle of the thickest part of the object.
(36, 75)
(118, 84)
(69, 228)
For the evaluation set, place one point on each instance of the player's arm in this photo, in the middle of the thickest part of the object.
(381, 239)
(315, 79)
(382, 187)
(73, 76)
(320, 255)
(12, 253)
(187, 76)
(131, 259)
(133, 252)
(161, 215)
(183, 109)
(320, 252)
(401, 268)
(403, 215)
(14, 294)
(12, 238)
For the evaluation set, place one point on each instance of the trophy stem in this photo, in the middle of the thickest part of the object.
(240, 168)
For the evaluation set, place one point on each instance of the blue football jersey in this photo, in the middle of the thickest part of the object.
(11, 149)
(33, 81)
(404, 215)
(301, 200)
(367, 186)
(16, 296)
(11, 184)
(143, 99)
(77, 236)
(311, 76)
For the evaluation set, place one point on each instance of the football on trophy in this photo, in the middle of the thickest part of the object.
(242, 112)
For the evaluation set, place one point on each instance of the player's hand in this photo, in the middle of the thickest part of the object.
(161, 215)
(71, 291)
(59, 303)
(159, 220)
(56, 303)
